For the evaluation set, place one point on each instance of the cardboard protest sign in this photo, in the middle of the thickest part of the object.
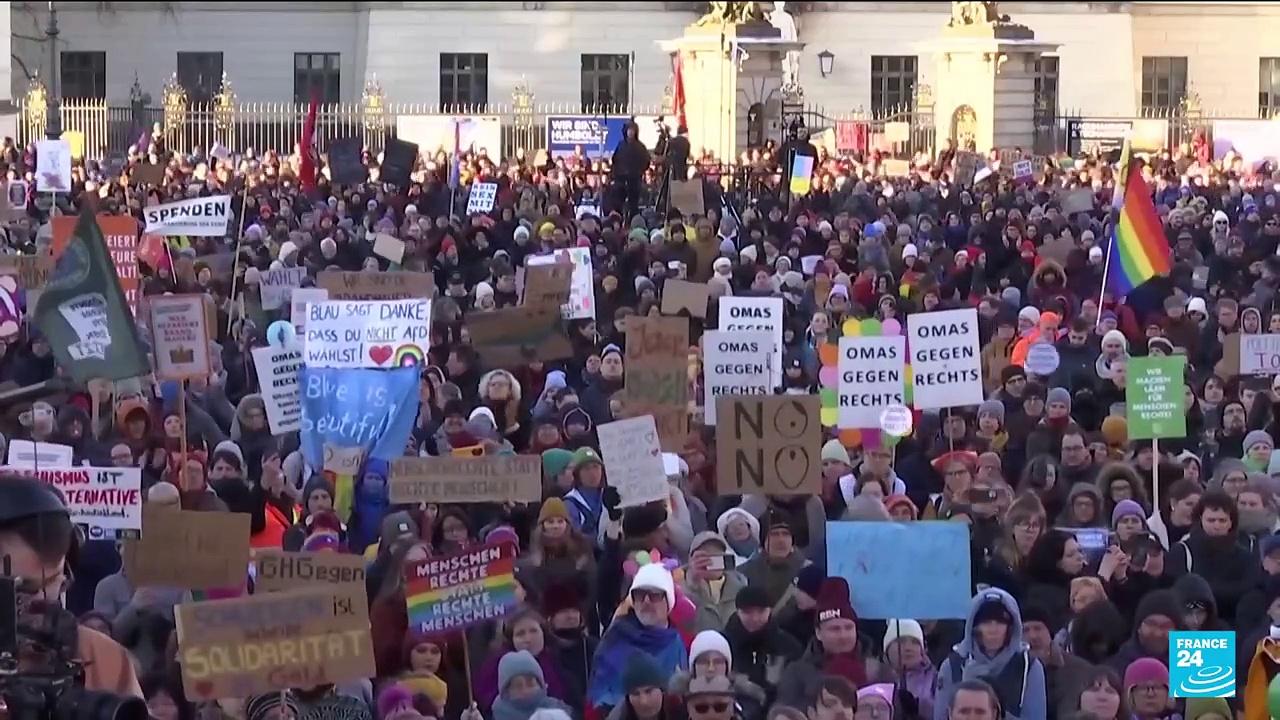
(489, 478)
(180, 337)
(1259, 354)
(633, 459)
(1077, 201)
(147, 174)
(277, 286)
(345, 165)
(967, 165)
(121, 237)
(548, 284)
(1023, 171)
(28, 454)
(389, 247)
(926, 576)
(53, 166)
(274, 641)
(341, 460)
(686, 196)
(768, 445)
(32, 271)
(361, 408)
(897, 132)
(945, 364)
(743, 314)
(189, 549)
(460, 590)
(510, 337)
(14, 196)
(893, 167)
(398, 160)
(199, 217)
(680, 295)
(1155, 404)
(106, 500)
(582, 290)
(375, 334)
(376, 286)
(482, 197)
(872, 378)
(277, 369)
(279, 571)
(734, 363)
(657, 375)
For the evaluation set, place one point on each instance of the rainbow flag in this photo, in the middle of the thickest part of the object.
(447, 593)
(1138, 250)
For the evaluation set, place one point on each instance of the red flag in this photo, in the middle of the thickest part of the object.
(307, 167)
(677, 92)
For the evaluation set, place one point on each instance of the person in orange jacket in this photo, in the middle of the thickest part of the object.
(1046, 331)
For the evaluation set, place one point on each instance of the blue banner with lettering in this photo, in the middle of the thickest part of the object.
(357, 407)
(596, 134)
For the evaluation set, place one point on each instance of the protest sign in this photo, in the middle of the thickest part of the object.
(389, 247)
(633, 459)
(53, 166)
(582, 292)
(657, 375)
(896, 420)
(1077, 201)
(448, 479)
(1042, 359)
(14, 195)
(768, 445)
(279, 571)
(801, 174)
(120, 234)
(277, 369)
(686, 196)
(374, 333)
(680, 295)
(28, 454)
(742, 314)
(371, 409)
(1154, 397)
(897, 132)
(1259, 354)
(460, 590)
(548, 284)
(926, 576)
(342, 460)
(189, 549)
(106, 500)
(32, 271)
(482, 197)
(734, 363)
(147, 174)
(274, 641)
(945, 364)
(468, 133)
(872, 378)
(967, 164)
(1023, 171)
(199, 217)
(298, 305)
(510, 337)
(277, 286)
(345, 164)
(180, 337)
(398, 159)
(376, 286)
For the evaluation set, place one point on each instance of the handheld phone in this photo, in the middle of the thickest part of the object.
(721, 562)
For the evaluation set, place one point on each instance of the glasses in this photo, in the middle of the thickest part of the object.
(1152, 689)
(708, 707)
(643, 595)
(873, 711)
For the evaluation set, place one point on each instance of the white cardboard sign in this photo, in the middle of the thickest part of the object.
(734, 363)
(277, 369)
(367, 333)
(872, 379)
(633, 459)
(945, 361)
(582, 288)
(743, 314)
(483, 196)
(277, 286)
(180, 336)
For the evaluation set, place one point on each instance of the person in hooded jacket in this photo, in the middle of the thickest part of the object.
(993, 650)
(1212, 550)
(1199, 608)
(760, 648)
(710, 656)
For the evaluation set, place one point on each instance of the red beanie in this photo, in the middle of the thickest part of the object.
(833, 601)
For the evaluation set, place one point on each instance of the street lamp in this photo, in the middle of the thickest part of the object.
(826, 62)
(53, 127)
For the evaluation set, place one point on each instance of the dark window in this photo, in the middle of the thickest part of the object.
(1268, 88)
(200, 74)
(1164, 82)
(464, 78)
(318, 75)
(1047, 86)
(893, 83)
(606, 81)
(84, 75)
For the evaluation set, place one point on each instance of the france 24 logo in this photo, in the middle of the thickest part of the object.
(1202, 664)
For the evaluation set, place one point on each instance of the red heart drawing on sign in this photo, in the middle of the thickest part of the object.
(380, 354)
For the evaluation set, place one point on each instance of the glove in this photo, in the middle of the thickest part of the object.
(612, 500)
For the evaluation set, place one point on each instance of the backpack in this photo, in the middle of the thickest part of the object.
(1010, 685)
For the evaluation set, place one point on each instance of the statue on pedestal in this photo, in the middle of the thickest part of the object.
(786, 26)
(975, 13)
(729, 12)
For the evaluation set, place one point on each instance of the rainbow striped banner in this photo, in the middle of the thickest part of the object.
(456, 591)
(1138, 250)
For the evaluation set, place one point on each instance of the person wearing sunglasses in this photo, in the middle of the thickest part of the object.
(710, 698)
(646, 629)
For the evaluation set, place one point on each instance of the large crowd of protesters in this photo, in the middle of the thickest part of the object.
(1057, 628)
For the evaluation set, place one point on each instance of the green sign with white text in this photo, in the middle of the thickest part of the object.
(1156, 404)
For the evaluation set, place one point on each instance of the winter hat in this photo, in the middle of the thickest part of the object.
(833, 450)
(710, 641)
(1257, 437)
(1162, 343)
(397, 524)
(883, 691)
(833, 601)
(722, 523)
(1116, 336)
(1219, 216)
(392, 698)
(1270, 544)
(1030, 314)
(641, 520)
(515, 664)
(910, 250)
(319, 542)
(502, 534)
(555, 461)
(1033, 612)
(992, 609)
(1125, 508)
(754, 596)
(262, 707)
(992, 407)
(1095, 253)
(287, 248)
(1196, 304)
(707, 537)
(655, 577)
(1011, 372)
(641, 672)
(1059, 395)
(584, 456)
(906, 628)
(560, 596)
(1115, 430)
(553, 508)
(1145, 671)
(896, 500)
(1200, 706)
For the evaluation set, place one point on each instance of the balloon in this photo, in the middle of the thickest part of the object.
(829, 416)
(829, 354)
(670, 564)
(642, 557)
(851, 437)
(891, 327)
(852, 328)
(1273, 696)
(830, 396)
(871, 327)
(281, 333)
(829, 376)
(630, 568)
(655, 556)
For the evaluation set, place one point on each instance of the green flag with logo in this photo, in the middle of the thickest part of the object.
(1155, 399)
(83, 314)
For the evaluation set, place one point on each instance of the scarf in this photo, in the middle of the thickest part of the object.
(505, 708)
(849, 666)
